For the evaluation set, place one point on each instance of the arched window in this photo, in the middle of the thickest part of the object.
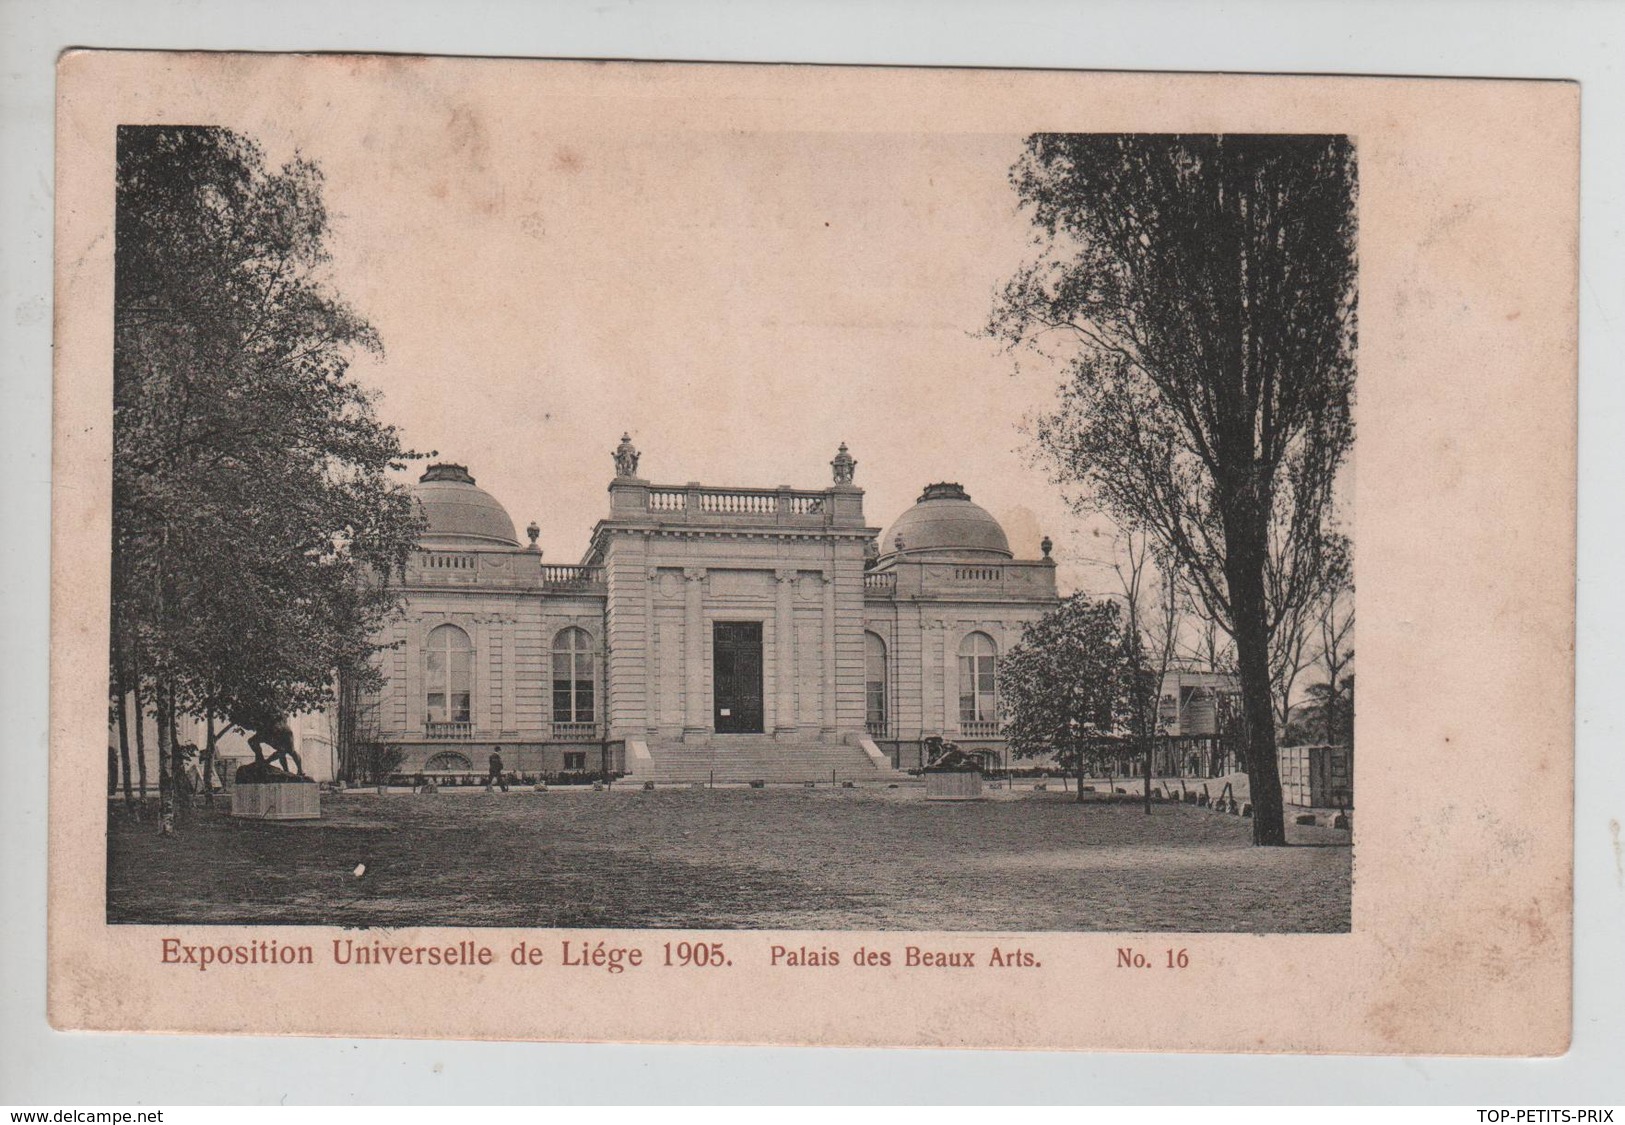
(574, 675)
(448, 666)
(874, 663)
(978, 701)
(447, 762)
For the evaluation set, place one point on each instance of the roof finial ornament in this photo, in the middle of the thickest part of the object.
(535, 533)
(626, 457)
(445, 470)
(845, 465)
(1047, 546)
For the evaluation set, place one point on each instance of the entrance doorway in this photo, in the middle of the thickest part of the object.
(736, 677)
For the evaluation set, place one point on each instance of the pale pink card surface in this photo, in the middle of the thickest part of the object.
(742, 268)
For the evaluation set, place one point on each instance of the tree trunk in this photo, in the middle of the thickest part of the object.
(341, 714)
(1080, 776)
(123, 726)
(1150, 744)
(179, 780)
(1245, 576)
(206, 762)
(140, 740)
(166, 763)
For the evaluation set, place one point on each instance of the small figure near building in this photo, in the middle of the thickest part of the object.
(496, 776)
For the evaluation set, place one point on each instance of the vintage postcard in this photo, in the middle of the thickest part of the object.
(766, 554)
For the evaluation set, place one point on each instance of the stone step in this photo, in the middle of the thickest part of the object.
(757, 759)
(853, 759)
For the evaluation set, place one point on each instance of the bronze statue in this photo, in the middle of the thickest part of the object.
(274, 733)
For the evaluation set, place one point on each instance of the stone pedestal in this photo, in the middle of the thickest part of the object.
(953, 785)
(292, 800)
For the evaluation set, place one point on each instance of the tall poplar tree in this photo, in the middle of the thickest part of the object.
(1202, 291)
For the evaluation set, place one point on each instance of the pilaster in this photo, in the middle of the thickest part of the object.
(829, 720)
(784, 667)
(695, 719)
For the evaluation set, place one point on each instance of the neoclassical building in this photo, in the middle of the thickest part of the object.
(726, 633)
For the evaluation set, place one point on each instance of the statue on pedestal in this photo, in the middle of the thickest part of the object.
(626, 457)
(845, 465)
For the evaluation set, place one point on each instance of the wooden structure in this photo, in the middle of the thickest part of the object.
(1317, 777)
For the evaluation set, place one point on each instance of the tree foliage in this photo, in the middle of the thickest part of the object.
(1325, 717)
(1201, 291)
(255, 521)
(1069, 687)
(1299, 639)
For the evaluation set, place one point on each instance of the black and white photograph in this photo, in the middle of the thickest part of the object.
(923, 533)
(677, 552)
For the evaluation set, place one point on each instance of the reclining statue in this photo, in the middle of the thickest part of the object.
(943, 754)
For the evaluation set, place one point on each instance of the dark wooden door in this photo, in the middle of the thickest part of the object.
(736, 676)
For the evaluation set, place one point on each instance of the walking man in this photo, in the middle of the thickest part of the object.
(496, 776)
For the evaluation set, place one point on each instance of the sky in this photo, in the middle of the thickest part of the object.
(740, 301)
(551, 262)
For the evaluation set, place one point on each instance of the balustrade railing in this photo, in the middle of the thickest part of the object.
(977, 573)
(572, 575)
(877, 728)
(885, 581)
(978, 728)
(576, 732)
(441, 560)
(449, 732)
(737, 502)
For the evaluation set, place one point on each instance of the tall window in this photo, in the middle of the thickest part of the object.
(874, 662)
(448, 674)
(573, 677)
(978, 665)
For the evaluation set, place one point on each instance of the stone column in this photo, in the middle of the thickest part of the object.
(695, 719)
(950, 682)
(784, 663)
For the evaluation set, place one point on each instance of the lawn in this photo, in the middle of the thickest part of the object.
(733, 859)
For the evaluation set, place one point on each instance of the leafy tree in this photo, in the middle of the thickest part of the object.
(253, 508)
(1202, 289)
(1326, 716)
(1293, 646)
(1068, 685)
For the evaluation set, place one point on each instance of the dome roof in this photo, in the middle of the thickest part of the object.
(459, 514)
(944, 524)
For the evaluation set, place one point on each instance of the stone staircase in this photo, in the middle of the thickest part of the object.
(745, 758)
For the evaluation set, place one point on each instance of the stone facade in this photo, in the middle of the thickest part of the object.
(702, 618)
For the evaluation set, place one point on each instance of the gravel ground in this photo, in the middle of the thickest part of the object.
(733, 859)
